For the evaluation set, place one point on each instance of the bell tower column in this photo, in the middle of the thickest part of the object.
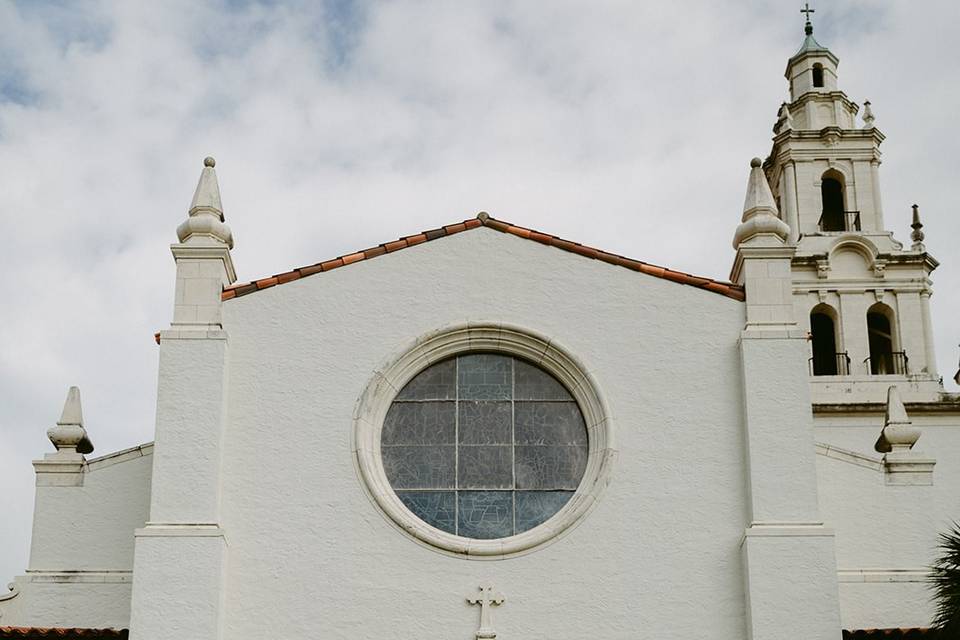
(788, 555)
(181, 552)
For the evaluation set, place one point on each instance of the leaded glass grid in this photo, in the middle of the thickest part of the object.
(484, 445)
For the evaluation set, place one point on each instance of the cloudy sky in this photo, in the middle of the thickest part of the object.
(339, 125)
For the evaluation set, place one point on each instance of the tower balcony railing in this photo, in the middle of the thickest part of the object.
(839, 365)
(894, 363)
(839, 221)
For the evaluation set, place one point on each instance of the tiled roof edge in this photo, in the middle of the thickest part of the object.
(61, 633)
(483, 220)
(891, 634)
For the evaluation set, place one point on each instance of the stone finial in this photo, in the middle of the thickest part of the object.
(867, 115)
(69, 436)
(917, 234)
(898, 432)
(786, 118)
(205, 224)
(760, 215)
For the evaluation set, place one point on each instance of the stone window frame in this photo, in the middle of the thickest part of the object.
(509, 340)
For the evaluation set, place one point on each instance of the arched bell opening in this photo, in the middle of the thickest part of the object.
(885, 356)
(827, 359)
(833, 199)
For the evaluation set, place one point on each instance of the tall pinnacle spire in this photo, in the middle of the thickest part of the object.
(760, 215)
(207, 195)
(205, 224)
(917, 234)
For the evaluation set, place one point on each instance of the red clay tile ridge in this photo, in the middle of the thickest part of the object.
(483, 220)
(31, 633)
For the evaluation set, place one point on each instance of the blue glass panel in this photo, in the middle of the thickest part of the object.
(419, 423)
(484, 376)
(536, 507)
(485, 514)
(545, 467)
(420, 467)
(436, 508)
(437, 382)
(550, 423)
(485, 467)
(533, 383)
(485, 422)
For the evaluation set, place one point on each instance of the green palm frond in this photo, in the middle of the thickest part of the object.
(945, 584)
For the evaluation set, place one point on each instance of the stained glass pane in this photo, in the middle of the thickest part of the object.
(420, 467)
(536, 507)
(436, 508)
(437, 382)
(485, 467)
(484, 376)
(485, 514)
(420, 423)
(550, 467)
(550, 423)
(536, 384)
(485, 422)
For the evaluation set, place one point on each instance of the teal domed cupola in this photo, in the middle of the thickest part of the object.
(813, 68)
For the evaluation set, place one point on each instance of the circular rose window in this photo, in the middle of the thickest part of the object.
(484, 445)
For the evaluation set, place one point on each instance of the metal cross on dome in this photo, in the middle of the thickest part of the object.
(487, 598)
(807, 10)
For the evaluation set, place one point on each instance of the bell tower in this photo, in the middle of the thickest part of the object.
(861, 294)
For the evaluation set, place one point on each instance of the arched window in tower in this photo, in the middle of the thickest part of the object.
(833, 217)
(817, 75)
(884, 357)
(827, 360)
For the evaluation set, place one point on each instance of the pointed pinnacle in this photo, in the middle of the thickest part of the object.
(896, 412)
(917, 234)
(206, 199)
(72, 413)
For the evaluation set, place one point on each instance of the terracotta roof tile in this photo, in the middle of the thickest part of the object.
(483, 220)
(31, 633)
(891, 634)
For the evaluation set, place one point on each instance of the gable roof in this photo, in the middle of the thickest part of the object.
(483, 220)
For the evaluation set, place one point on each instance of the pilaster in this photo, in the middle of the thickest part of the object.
(180, 554)
(788, 555)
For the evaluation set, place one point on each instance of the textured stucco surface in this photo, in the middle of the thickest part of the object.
(310, 554)
(81, 555)
(883, 529)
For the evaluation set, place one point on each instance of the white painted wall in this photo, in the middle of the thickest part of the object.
(310, 555)
(81, 555)
(886, 533)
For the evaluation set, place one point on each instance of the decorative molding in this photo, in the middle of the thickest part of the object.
(373, 404)
(851, 457)
(117, 457)
(14, 591)
(84, 577)
(883, 575)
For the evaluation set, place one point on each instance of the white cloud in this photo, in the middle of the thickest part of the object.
(627, 126)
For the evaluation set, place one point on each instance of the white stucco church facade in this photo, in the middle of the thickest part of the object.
(484, 431)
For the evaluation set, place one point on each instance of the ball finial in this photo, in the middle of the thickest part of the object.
(209, 162)
(756, 162)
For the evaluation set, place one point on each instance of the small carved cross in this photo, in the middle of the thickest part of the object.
(487, 598)
(807, 10)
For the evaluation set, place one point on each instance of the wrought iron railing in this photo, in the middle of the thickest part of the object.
(894, 363)
(838, 366)
(849, 221)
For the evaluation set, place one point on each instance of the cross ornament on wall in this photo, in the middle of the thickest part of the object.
(487, 598)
